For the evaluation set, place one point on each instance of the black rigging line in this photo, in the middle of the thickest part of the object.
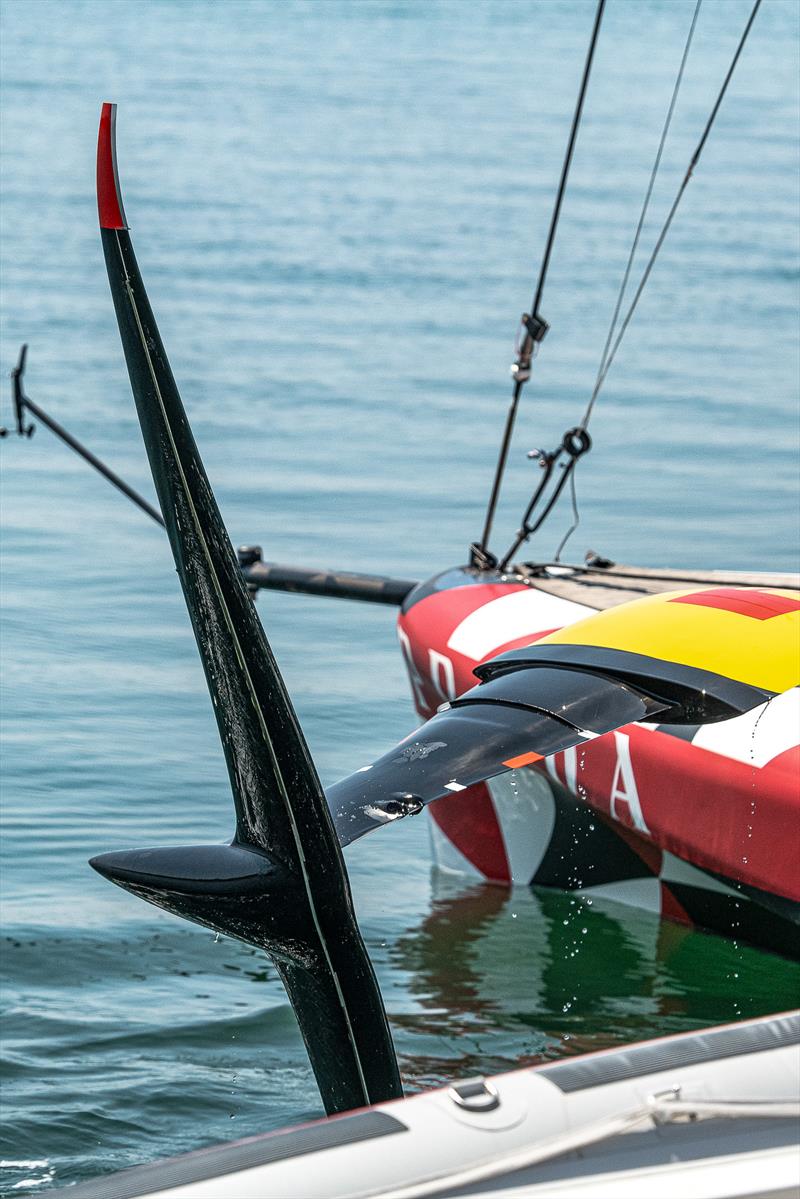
(23, 402)
(576, 516)
(629, 265)
(606, 365)
(562, 184)
(665, 229)
(643, 214)
(535, 327)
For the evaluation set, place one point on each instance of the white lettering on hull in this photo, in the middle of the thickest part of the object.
(623, 787)
(413, 673)
(442, 674)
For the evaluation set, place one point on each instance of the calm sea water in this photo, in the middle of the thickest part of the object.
(339, 209)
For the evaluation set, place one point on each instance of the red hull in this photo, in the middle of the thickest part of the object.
(697, 822)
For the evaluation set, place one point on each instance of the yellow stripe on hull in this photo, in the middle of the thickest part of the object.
(762, 653)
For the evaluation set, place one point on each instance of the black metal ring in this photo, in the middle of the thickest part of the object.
(576, 442)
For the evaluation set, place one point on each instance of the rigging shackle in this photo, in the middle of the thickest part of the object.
(574, 444)
(525, 346)
(535, 328)
(576, 441)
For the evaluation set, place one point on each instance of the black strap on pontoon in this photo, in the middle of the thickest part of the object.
(533, 326)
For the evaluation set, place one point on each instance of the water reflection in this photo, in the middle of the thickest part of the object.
(503, 978)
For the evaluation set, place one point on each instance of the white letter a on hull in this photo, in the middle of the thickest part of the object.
(623, 788)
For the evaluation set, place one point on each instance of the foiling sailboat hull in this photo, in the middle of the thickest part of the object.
(703, 1114)
(691, 821)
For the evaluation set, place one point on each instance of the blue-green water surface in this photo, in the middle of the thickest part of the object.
(339, 209)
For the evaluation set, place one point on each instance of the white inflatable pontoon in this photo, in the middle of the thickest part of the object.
(701, 1115)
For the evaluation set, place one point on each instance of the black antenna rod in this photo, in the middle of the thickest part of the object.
(535, 327)
(257, 574)
(23, 402)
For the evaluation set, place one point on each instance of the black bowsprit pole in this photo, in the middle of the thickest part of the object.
(281, 884)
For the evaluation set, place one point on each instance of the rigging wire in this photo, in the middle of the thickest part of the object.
(629, 266)
(562, 184)
(576, 517)
(605, 367)
(535, 327)
(643, 214)
(667, 223)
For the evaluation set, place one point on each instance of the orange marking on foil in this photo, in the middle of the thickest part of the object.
(523, 760)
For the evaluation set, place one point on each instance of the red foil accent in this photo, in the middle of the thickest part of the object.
(109, 200)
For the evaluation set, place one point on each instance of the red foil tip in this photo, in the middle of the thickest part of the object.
(109, 196)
